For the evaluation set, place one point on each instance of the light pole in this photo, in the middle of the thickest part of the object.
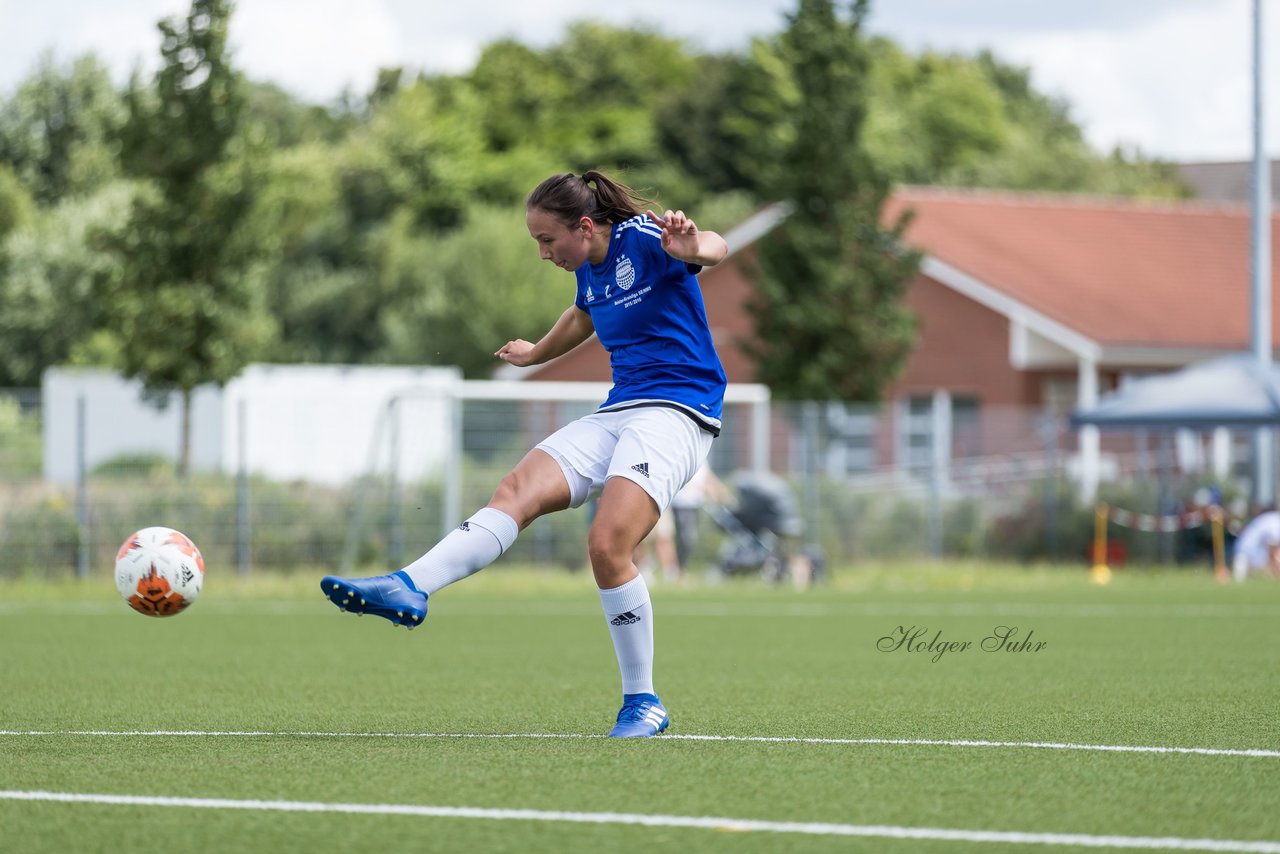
(1264, 447)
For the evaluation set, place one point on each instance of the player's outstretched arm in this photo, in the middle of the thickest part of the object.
(573, 327)
(681, 239)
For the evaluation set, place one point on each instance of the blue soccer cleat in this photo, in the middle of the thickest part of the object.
(391, 596)
(642, 716)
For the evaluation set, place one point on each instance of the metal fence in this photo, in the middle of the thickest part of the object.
(922, 479)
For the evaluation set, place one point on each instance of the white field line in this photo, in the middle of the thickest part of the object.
(590, 610)
(697, 822)
(756, 739)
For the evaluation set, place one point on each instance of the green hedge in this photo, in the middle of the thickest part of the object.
(307, 526)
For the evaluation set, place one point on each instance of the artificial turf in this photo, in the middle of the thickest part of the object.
(353, 711)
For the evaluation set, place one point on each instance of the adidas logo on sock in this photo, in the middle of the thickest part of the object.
(465, 526)
(643, 468)
(625, 619)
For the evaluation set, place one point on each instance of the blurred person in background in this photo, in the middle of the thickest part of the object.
(658, 550)
(1257, 549)
(686, 509)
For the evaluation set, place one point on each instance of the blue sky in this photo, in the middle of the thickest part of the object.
(1172, 77)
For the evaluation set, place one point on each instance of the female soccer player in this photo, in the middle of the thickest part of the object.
(637, 291)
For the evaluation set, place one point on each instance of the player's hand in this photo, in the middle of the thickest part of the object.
(517, 352)
(679, 234)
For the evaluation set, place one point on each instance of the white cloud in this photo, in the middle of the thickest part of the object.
(1180, 87)
(120, 34)
(315, 48)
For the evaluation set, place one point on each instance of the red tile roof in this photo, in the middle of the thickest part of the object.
(1121, 272)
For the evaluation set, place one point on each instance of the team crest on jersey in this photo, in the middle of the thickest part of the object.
(625, 273)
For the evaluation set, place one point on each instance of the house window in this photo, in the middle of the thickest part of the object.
(1060, 394)
(917, 427)
(850, 438)
(917, 444)
(966, 427)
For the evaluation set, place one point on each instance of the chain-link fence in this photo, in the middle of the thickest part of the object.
(926, 478)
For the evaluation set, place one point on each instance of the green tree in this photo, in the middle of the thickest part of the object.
(588, 102)
(285, 122)
(409, 174)
(365, 220)
(614, 81)
(17, 208)
(519, 92)
(187, 302)
(324, 203)
(957, 120)
(1045, 149)
(426, 142)
(473, 290)
(932, 114)
(50, 284)
(726, 129)
(58, 131)
(829, 313)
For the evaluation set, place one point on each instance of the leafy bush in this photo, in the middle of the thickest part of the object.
(40, 538)
(20, 440)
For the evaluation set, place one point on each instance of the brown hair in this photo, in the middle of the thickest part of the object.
(569, 197)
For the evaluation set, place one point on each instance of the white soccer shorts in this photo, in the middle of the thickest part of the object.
(656, 447)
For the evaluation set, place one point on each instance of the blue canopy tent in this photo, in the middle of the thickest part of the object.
(1231, 391)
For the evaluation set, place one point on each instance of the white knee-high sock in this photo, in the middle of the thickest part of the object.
(630, 618)
(464, 551)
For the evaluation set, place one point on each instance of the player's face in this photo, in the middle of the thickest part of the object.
(563, 246)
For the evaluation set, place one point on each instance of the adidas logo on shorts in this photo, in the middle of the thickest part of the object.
(643, 468)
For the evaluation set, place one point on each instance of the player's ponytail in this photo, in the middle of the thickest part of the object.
(570, 197)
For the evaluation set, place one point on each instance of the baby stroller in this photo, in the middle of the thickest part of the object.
(761, 528)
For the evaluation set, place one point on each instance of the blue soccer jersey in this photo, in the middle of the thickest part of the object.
(648, 313)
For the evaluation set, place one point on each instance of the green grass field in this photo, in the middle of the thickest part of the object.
(480, 731)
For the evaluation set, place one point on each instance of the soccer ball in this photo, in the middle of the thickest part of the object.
(159, 571)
